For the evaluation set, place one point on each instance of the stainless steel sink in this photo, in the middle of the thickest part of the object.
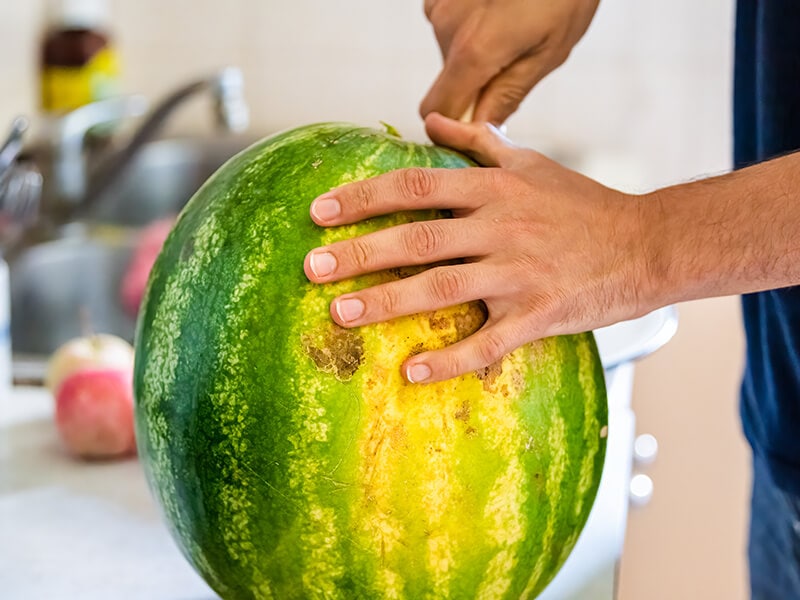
(161, 178)
(69, 286)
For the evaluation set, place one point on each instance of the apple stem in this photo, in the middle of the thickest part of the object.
(85, 319)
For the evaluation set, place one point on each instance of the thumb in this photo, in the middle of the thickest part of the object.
(482, 141)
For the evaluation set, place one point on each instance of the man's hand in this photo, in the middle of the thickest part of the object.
(546, 249)
(496, 51)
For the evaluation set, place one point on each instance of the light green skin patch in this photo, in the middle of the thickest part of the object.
(290, 457)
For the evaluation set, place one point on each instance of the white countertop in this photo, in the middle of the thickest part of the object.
(73, 529)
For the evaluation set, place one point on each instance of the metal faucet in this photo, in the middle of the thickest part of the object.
(79, 188)
(20, 187)
(69, 170)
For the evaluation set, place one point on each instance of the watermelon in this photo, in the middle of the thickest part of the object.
(288, 454)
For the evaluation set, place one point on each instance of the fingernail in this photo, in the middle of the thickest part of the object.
(326, 209)
(418, 373)
(349, 309)
(322, 263)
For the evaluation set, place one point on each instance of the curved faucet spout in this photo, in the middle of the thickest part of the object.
(69, 168)
(231, 112)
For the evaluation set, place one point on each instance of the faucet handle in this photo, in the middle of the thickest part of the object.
(230, 104)
(69, 168)
(12, 146)
(20, 187)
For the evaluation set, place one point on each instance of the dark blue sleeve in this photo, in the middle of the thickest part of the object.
(767, 124)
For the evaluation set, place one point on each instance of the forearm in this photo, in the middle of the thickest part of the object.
(732, 234)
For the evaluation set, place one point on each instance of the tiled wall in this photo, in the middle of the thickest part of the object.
(648, 86)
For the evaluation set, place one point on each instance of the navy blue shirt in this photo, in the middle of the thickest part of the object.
(767, 124)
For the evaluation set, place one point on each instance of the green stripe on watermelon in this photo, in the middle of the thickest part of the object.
(290, 457)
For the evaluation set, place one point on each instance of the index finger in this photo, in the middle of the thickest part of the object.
(404, 189)
(475, 55)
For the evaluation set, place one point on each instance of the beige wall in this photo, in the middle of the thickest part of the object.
(649, 81)
(643, 101)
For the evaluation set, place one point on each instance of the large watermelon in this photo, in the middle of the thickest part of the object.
(290, 457)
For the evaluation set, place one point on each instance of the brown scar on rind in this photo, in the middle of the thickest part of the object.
(470, 320)
(489, 374)
(437, 322)
(417, 348)
(340, 351)
(462, 414)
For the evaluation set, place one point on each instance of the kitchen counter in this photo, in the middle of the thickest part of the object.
(73, 529)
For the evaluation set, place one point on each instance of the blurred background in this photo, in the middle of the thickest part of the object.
(643, 101)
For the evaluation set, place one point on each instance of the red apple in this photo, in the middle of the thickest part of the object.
(94, 413)
(97, 351)
(134, 282)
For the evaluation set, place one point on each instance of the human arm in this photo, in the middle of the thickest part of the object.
(496, 52)
(552, 252)
(732, 234)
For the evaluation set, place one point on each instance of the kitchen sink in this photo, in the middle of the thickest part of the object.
(70, 285)
(161, 178)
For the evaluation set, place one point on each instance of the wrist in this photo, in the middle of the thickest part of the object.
(659, 273)
(633, 271)
(710, 237)
(729, 234)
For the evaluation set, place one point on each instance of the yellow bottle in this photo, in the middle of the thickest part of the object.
(78, 62)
